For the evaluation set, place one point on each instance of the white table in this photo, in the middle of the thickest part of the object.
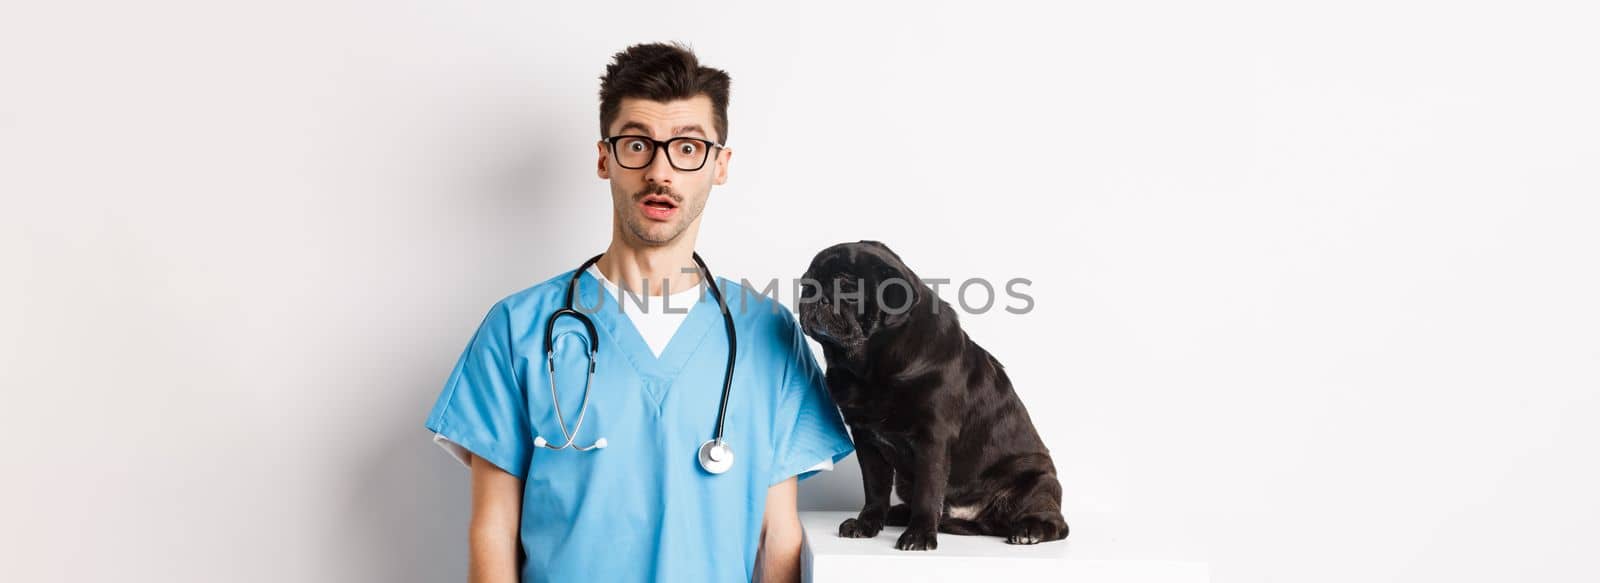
(1102, 548)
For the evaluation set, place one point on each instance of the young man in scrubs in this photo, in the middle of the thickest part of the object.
(641, 508)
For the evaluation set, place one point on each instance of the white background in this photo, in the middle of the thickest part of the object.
(1318, 279)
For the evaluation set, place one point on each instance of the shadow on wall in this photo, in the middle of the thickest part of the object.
(839, 489)
(413, 502)
(409, 503)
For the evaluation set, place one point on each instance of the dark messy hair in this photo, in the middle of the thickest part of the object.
(662, 72)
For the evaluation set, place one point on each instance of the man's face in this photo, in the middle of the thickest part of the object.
(676, 197)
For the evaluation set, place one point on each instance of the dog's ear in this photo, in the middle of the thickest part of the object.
(899, 292)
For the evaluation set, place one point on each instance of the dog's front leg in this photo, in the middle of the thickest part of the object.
(877, 479)
(930, 472)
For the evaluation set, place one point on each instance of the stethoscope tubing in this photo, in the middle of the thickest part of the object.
(714, 453)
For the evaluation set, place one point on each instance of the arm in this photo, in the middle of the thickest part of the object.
(493, 536)
(781, 534)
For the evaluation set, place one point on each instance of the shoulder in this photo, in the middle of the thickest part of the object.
(759, 310)
(769, 332)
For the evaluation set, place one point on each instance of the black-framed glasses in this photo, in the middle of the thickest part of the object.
(684, 153)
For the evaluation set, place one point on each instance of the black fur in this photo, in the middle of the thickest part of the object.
(933, 414)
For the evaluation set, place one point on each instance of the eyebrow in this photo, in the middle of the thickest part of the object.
(677, 131)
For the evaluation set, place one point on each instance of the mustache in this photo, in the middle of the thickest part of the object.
(660, 189)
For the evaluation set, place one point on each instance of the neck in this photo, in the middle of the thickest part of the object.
(651, 270)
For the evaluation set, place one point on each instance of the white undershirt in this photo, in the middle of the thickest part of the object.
(656, 324)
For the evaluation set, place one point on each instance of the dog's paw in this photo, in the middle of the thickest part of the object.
(918, 539)
(1029, 531)
(857, 528)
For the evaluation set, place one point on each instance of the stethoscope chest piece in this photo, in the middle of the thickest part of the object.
(715, 456)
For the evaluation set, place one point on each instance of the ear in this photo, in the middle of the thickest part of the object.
(603, 170)
(898, 296)
(723, 156)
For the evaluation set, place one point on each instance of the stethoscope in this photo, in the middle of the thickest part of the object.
(715, 455)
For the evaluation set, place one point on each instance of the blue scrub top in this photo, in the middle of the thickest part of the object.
(641, 509)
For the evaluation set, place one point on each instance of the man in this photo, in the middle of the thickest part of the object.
(601, 483)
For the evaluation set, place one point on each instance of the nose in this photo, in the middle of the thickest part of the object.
(660, 169)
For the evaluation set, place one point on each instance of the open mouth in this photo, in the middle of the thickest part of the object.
(658, 206)
(660, 201)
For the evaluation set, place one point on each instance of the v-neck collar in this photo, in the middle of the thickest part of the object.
(626, 341)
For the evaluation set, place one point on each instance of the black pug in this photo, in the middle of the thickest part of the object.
(931, 412)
